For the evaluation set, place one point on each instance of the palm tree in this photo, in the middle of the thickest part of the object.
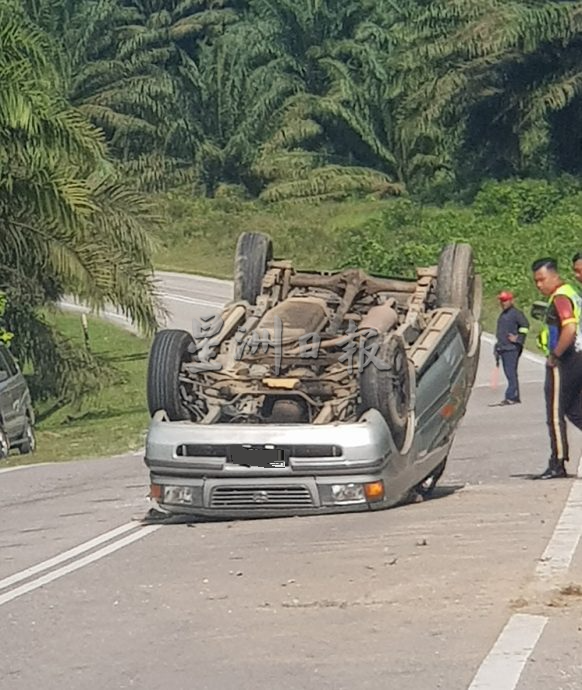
(504, 76)
(66, 225)
(326, 145)
(122, 61)
(235, 91)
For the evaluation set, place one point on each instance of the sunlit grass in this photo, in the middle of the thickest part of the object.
(114, 421)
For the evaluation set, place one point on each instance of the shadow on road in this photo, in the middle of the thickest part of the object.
(536, 475)
(445, 490)
(135, 357)
(108, 413)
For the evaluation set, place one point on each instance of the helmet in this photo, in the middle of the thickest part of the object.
(505, 296)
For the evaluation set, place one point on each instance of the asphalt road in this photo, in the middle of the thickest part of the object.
(462, 592)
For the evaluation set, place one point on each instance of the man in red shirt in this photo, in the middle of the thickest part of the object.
(562, 343)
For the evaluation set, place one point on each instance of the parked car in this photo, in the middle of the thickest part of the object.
(311, 423)
(16, 412)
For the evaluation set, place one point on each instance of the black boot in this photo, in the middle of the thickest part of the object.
(554, 470)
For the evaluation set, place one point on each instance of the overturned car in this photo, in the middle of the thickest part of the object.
(313, 392)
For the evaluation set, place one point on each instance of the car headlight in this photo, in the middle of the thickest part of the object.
(352, 493)
(182, 495)
(348, 493)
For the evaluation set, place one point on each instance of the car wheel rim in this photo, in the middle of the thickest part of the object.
(400, 381)
(30, 437)
(3, 445)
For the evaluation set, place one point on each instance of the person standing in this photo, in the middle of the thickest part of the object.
(561, 341)
(577, 266)
(512, 330)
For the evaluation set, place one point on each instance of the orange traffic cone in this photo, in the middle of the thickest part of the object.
(495, 377)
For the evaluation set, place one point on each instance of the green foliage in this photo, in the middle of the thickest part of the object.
(523, 201)
(509, 226)
(200, 234)
(67, 224)
(324, 100)
(503, 77)
(113, 418)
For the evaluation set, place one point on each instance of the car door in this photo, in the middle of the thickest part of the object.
(21, 395)
(10, 394)
(439, 401)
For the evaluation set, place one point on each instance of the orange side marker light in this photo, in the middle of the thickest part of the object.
(374, 491)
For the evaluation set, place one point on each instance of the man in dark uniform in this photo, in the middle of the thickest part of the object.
(512, 329)
(561, 342)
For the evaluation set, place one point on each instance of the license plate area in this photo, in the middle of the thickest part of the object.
(258, 456)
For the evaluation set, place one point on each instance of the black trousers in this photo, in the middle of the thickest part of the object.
(563, 393)
(510, 360)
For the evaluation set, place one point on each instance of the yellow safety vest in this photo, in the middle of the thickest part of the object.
(543, 339)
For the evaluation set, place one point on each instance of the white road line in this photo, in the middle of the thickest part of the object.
(66, 555)
(502, 667)
(87, 310)
(188, 292)
(133, 454)
(521, 383)
(558, 555)
(192, 300)
(21, 467)
(194, 276)
(76, 565)
(215, 304)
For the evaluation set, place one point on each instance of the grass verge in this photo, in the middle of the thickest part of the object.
(112, 422)
(201, 235)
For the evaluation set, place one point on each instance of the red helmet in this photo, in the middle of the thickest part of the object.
(505, 296)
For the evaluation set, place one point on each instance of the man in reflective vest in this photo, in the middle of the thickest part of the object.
(561, 341)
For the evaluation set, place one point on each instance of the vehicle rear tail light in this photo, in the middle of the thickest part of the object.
(156, 491)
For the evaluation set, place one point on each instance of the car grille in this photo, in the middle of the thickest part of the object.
(258, 497)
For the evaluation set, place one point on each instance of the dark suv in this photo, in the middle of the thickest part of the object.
(16, 413)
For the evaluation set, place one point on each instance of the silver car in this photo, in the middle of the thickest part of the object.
(16, 412)
(313, 392)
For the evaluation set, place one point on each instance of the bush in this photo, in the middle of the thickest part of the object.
(509, 225)
(520, 201)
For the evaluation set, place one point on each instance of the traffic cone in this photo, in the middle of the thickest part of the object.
(495, 377)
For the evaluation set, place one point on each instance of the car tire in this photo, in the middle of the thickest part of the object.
(456, 277)
(169, 351)
(389, 391)
(427, 486)
(28, 444)
(473, 354)
(4, 444)
(477, 297)
(253, 252)
(458, 286)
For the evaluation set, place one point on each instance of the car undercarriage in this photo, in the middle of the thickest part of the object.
(338, 372)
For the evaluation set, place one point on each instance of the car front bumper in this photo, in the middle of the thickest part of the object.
(332, 468)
